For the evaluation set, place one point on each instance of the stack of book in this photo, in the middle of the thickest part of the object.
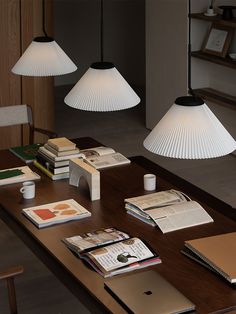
(53, 158)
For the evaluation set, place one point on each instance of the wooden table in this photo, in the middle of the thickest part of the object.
(207, 290)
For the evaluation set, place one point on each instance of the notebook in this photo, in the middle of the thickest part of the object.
(148, 292)
(219, 252)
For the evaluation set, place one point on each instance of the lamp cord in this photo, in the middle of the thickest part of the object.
(190, 90)
(101, 30)
(43, 14)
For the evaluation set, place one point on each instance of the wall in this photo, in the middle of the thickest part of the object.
(206, 74)
(166, 56)
(77, 30)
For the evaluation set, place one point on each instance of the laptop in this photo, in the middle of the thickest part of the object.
(148, 292)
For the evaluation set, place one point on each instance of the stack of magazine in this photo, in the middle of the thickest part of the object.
(169, 210)
(53, 158)
(111, 252)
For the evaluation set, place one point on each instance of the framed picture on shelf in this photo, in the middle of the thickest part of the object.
(218, 40)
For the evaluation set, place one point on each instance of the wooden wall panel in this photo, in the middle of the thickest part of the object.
(10, 84)
(20, 22)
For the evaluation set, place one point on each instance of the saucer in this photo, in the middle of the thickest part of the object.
(232, 56)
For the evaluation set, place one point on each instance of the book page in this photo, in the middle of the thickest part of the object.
(97, 151)
(157, 199)
(120, 254)
(179, 216)
(95, 238)
(105, 161)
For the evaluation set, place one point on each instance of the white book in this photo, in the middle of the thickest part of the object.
(56, 213)
(16, 175)
(52, 156)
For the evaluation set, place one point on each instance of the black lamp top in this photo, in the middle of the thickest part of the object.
(43, 39)
(189, 101)
(102, 65)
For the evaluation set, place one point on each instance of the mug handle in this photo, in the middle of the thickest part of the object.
(22, 190)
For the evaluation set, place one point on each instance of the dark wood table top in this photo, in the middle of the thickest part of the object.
(207, 290)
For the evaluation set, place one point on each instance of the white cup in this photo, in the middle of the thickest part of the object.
(28, 189)
(149, 181)
(210, 11)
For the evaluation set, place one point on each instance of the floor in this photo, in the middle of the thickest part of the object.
(38, 291)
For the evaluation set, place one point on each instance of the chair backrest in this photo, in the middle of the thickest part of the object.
(15, 115)
(9, 275)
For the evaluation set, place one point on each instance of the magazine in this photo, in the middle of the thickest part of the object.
(55, 213)
(110, 251)
(16, 175)
(91, 240)
(103, 157)
(121, 257)
(26, 153)
(169, 210)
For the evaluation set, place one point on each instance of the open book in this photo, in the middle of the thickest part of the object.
(111, 252)
(169, 210)
(103, 157)
(55, 213)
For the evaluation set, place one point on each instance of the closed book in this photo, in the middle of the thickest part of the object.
(54, 177)
(51, 168)
(219, 252)
(43, 159)
(61, 144)
(62, 153)
(26, 153)
(57, 158)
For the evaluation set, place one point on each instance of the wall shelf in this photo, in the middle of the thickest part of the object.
(216, 97)
(214, 59)
(214, 19)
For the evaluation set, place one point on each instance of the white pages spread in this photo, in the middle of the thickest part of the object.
(169, 210)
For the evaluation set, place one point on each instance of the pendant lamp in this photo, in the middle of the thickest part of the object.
(189, 130)
(44, 57)
(102, 87)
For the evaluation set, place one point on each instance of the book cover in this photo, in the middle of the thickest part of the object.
(61, 144)
(56, 213)
(16, 175)
(54, 177)
(61, 153)
(53, 157)
(217, 251)
(26, 153)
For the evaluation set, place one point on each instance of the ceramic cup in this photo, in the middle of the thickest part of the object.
(28, 189)
(149, 181)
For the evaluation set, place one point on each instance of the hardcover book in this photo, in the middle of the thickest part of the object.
(26, 153)
(61, 144)
(216, 252)
(56, 213)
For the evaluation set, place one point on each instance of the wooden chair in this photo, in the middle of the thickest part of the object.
(20, 115)
(9, 276)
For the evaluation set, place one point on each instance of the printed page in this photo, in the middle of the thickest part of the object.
(97, 151)
(95, 238)
(120, 254)
(179, 216)
(157, 199)
(105, 161)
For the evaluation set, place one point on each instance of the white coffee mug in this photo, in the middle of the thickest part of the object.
(149, 181)
(28, 189)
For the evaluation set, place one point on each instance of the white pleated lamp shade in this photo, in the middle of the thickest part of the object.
(102, 88)
(189, 130)
(44, 57)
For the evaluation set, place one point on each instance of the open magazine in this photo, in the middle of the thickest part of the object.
(103, 157)
(169, 210)
(111, 252)
(55, 213)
